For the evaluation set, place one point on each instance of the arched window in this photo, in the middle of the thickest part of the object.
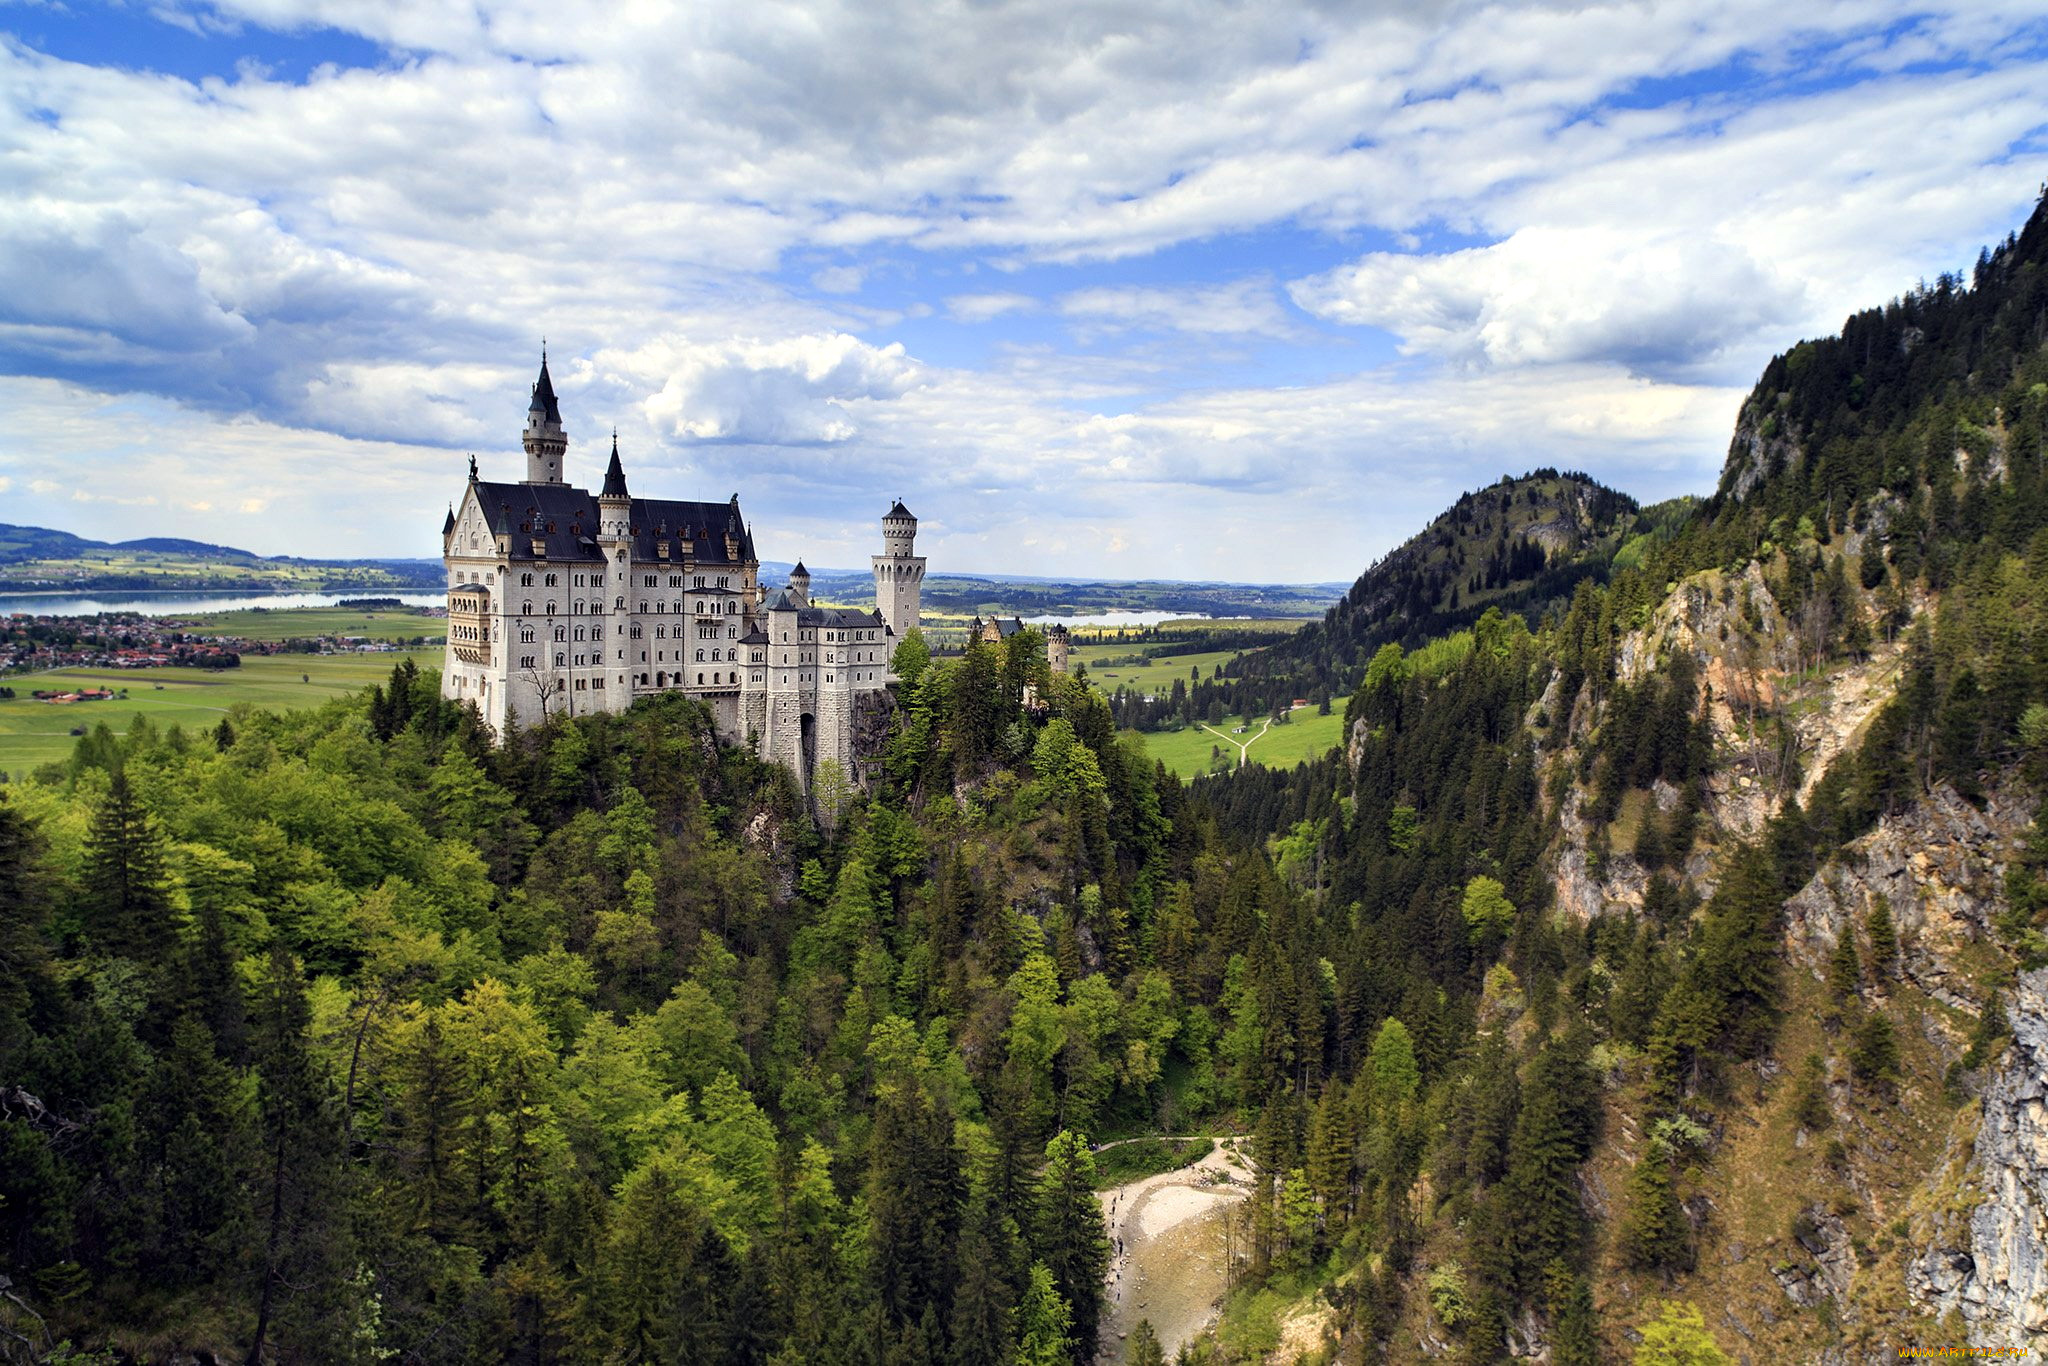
(551, 609)
(700, 656)
(526, 580)
(526, 608)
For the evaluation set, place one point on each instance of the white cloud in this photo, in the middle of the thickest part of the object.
(1548, 295)
(980, 308)
(1238, 308)
(374, 253)
(792, 391)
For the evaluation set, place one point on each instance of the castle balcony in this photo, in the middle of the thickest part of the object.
(469, 622)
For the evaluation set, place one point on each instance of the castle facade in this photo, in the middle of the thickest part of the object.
(561, 601)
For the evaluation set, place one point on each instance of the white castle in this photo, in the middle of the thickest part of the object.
(564, 602)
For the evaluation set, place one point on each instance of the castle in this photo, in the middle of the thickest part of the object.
(564, 602)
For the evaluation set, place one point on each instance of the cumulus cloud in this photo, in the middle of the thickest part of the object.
(790, 391)
(1548, 295)
(1640, 202)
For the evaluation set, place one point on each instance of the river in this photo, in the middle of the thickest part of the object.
(1169, 1237)
(176, 604)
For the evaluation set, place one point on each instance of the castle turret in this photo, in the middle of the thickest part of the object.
(899, 573)
(614, 504)
(1058, 647)
(545, 441)
(800, 584)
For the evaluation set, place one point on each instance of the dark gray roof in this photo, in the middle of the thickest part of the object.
(782, 602)
(614, 474)
(449, 525)
(1004, 628)
(564, 518)
(799, 571)
(838, 617)
(544, 395)
(898, 510)
(757, 636)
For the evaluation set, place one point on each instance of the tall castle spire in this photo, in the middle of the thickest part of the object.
(545, 440)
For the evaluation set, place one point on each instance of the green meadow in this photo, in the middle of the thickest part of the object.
(1305, 736)
(34, 733)
(305, 623)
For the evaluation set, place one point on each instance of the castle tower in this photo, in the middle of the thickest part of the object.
(545, 441)
(1057, 647)
(614, 504)
(800, 584)
(899, 574)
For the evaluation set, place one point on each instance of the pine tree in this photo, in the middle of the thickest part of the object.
(1069, 1238)
(1845, 975)
(1875, 1056)
(1654, 1235)
(127, 900)
(306, 1291)
(1884, 939)
(21, 912)
(1045, 1321)
(984, 1300)
(1144, 1349)
(1574, 1330)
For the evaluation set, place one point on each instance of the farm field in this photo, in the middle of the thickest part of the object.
(34, 733)
(304, 623)
(1305, 736)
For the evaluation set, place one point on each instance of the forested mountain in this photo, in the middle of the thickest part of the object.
(1660, 979)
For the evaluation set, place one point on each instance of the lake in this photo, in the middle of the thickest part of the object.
(189, 604)
(1117, 618)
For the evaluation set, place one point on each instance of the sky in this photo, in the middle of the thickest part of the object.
(1183, 289)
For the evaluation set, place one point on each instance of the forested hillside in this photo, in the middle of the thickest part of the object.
(1659, 980)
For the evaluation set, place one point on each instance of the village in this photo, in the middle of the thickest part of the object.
(34, 643)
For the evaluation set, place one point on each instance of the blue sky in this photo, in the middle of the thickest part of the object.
(1191, 289)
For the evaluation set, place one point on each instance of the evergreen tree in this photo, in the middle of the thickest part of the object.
(127, 900)
(1654, 1235)
(306, 1291)
(1884, 939)
(21, 912)
(984, 1299)
(1143, 1348)
(1574, 1329)
(1045, 1339)
(1069, 1240)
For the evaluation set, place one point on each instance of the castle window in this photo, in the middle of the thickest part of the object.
(647, 581)
(551, 581)
(579, 683)
(560, 659)
(597, 580)
(526, 635)
(619, 604)
(635, 633)
(675, 581)
(526, 608)
(700, 680)
(700, 580)
(526, 661)
(526, 580)
(700, 656)
(551, 609)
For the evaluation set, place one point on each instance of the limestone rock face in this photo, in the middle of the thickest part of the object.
(1992, 1271)
(1938, 865)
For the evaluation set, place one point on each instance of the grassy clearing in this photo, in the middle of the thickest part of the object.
(1152, 676)
(34, 733)
(1305, 736)
(1142, 1157)
(304, 623)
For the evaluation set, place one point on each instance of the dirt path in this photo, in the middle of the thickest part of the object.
(1167, 1249)
(1243, 746)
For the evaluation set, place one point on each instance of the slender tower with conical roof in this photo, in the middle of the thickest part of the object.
(545, 441)
(899, 574)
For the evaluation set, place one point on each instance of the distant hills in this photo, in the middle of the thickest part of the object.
(42, 559)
